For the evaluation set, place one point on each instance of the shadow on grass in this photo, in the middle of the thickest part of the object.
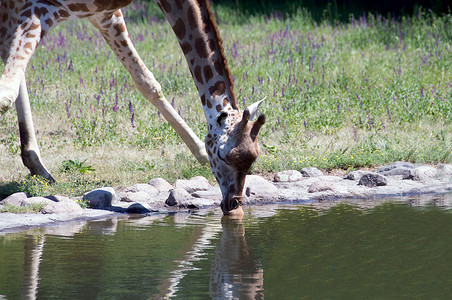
(9, 188)
(336, 10)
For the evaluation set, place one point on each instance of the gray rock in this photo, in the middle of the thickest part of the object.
(16, 199)
(160, 184)
(421, 173)
(372, 180)
(311, 172)
(321, 186)
(198, 203)
(140, 196)
(63, 206)
(58, 198)
(142, 188)
(355, 175)
(252, 179)
(36, 200)
(198, 183)
(288, 176)
(100, 198)
(176, 196)
(396, 168)
(261, 189)
(213, 193)
(445, 171)
(137, 208)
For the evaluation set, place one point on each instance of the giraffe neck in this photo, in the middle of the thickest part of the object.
(198, 36)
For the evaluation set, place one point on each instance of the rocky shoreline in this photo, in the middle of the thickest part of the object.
(308, 185)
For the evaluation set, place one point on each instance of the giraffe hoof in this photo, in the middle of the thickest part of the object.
(5, 104)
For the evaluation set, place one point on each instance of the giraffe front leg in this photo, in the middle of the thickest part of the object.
(29, 25)
(114, 31)
(29, 149)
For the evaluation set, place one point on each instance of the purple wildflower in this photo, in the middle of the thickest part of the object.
(132, 119)
(389, 113)
(131, 107)
(67, 110)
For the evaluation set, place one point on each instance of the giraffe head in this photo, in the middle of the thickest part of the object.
(232, 148)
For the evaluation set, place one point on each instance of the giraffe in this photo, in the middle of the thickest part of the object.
(231, 140)
(13, 37)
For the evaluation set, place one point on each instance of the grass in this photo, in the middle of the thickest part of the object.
(30, 209)
(358, 94)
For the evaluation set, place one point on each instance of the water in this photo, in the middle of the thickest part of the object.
(368, 250)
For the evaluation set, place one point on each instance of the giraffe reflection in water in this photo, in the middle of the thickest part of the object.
(235, 274)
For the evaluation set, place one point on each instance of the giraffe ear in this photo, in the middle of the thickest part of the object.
(253, 108)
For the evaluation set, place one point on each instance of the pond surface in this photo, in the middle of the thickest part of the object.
(362, 250)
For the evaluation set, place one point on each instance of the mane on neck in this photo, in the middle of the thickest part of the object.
(209, 22)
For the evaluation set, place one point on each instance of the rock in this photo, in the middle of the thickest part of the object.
(160, 184)
(100, 198)
(213, 193)
(251, 179)
(396, 168)
(421, 173)
(288, 176)
(355, 175)
(36, 200)
(445, 171)
(63, 206)
(372, 180)
(261, 189)
(58, 198)
(198, 183)
(16, 199)
(142, 188)
(140, 196)
(321, 186)
(197, 203)
(311, 172)
(176, 196)
(137, 208)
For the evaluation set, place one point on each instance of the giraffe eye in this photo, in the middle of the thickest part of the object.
(221, 118)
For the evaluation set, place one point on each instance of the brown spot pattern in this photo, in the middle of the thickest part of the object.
(191, 18)
(33, 26)
(179, 29)
(217, 89)
(26, 13)
(49, 22)
(166, 6)
(120, 28)
(225, 101)
(203, 100)
(78, 7)
(40, 11)
(198, 76)
(211, 44)
(218, 67)
(208, 73)
(179, 4)
(63, 13)
(186, 48)
(28, 46)
(201, 48)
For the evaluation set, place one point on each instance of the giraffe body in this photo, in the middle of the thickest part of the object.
(231, 141)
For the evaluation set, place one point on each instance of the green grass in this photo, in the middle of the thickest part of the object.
(357, 94)
(31, 209)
